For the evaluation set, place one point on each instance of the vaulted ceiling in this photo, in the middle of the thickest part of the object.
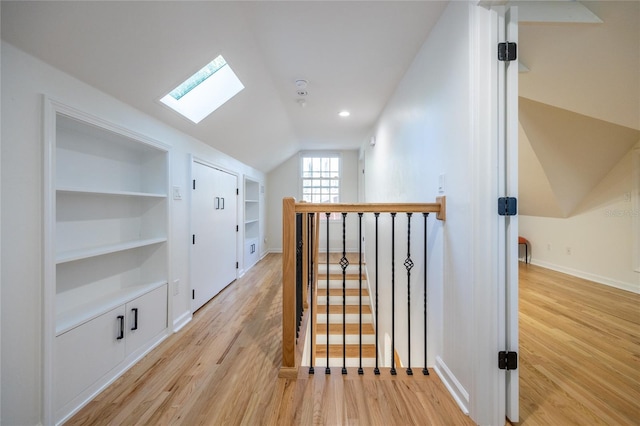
(353, 54)
(579, 102)
(580, 98)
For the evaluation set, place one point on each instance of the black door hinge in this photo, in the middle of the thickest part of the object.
(193, 239)
(507, 360)
(236, 265)
(193, 294)
(237, 191)
(194, 184)
(237, 229)
(507, 206)
(507, 51)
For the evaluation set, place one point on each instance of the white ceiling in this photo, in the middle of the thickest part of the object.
(353, 55)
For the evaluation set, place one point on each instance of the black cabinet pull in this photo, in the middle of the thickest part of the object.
(135, 318)
(222, 203)
(216, 203)
(121, 335)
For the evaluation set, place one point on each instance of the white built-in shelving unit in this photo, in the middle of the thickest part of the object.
(251, 222)
(106, 243)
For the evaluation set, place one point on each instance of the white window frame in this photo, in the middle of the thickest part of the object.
(320, 154)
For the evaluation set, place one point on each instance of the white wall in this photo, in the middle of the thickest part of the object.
(439, 121)
(284, 181)
(24, 80)
(599, 235)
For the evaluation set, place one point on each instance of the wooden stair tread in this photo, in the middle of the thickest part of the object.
(348, 292)
(337, 309)
(338, 276)
(336, 329)
(352, 351)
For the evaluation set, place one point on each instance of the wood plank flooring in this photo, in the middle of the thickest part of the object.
(579, 351)
(579, 365)
(222, 369)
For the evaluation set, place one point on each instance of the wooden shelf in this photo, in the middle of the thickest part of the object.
(76, 309)
(72, 190)
(72, 255)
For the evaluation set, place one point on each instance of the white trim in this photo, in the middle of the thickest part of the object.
(182, 320)
(459, 393)
(320, 154)
(587, 276)
(635, 198)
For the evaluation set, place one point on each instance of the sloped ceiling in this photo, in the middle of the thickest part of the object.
(574, 151)
(352, 53)
(579, 105)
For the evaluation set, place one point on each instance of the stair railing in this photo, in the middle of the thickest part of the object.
(300, 248)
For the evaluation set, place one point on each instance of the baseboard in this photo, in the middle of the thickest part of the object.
(453, 385)
(181, 321)
(587, 276)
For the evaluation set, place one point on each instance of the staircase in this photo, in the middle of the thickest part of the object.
(352, 315)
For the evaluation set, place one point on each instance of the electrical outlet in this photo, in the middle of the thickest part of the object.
(568, 251)
(627, 197)
(548, 246)
(176, 287)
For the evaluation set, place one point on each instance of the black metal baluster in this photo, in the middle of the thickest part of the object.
(393, 295)
(360, 370)
(344, 262)
(299, 275)
(311, 231)
(425, 370)
(408, 263)
(327, 370)
(376, 370)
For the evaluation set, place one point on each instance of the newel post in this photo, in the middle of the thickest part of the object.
(289, 367)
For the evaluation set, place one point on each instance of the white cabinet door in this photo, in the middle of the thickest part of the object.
(86, 353)
(213, 221)
(146, 317)
(225, 253)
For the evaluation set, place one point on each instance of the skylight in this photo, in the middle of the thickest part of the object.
(205, 91)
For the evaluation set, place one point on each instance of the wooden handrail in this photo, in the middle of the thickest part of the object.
(290, 365)
(438, 207)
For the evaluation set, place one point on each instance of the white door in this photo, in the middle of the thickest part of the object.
(508, 227)
(213, 222)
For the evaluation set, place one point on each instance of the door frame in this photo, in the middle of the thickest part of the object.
(494, 254)
(508, 187)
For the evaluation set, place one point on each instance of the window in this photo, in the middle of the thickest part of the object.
(320, 178)
(205, 91)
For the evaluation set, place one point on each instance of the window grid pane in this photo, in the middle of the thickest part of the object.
(321, 179)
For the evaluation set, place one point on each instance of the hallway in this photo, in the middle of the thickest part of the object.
(222, 368)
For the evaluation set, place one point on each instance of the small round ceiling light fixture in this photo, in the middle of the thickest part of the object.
(344, 113)
(301, 83)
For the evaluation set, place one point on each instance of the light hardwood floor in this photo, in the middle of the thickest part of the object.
(222, 368)
(579, 365)
(579, 351)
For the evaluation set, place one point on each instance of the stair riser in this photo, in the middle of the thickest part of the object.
(322, 284)
(352, 268)
(352, 339)
(337, 300)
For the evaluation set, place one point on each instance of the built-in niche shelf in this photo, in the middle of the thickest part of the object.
(251, 222)
(106, 266)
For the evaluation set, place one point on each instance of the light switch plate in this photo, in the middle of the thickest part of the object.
(177, 193)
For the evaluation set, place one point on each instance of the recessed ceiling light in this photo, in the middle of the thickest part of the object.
(344, 113)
